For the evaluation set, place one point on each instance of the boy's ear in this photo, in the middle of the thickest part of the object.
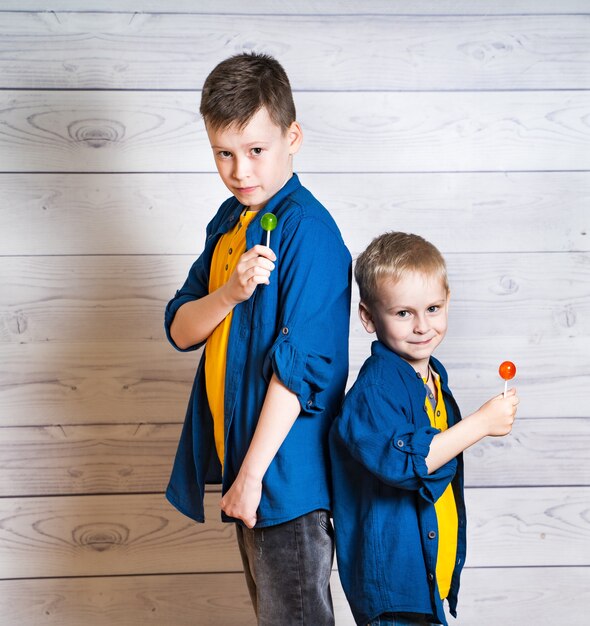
(366, 317)
(295, 135)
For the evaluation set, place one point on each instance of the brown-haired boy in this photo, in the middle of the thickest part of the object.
(399, 515)
(275, 322)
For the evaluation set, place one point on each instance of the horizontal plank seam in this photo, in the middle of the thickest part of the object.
(299, 14)
(298, 171)
(296, 91)
(210, 573)
(197, 252)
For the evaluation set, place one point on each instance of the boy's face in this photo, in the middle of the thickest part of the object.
(409, 316)
(256, 161)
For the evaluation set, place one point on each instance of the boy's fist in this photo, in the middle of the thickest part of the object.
(499, 413)
(253, 269)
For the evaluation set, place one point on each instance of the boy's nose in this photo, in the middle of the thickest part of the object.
(241, 168)
(421, 326)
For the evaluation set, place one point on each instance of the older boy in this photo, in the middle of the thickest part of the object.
(396, 447)
(275, 322)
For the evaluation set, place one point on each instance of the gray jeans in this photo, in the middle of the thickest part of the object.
(287, 570)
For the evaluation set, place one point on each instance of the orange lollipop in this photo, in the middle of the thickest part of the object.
(507, 371)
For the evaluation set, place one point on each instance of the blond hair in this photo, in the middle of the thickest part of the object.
(392, 255)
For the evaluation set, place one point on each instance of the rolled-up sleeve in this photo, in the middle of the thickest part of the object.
(196, 286)
(377, 433)
(314, 312)
(307, 374)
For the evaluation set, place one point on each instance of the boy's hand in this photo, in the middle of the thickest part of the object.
(253, 269)
(242, 500)
(498, 414)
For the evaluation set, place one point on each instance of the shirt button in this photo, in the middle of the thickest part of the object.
(309, 404)
(400, 443)
(230, 251)
(226, 267)
(431, 534)
(431, 576)
(285, 330)
(438, 414)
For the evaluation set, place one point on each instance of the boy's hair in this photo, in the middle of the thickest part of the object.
(390, 256)
(240, 86)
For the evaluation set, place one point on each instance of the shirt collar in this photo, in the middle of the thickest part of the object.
(380, 349)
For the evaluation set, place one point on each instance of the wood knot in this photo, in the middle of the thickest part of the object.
(101, 536)
(508, 285)
(96, 133)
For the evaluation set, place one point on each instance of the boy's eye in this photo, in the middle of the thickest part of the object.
(403, 314)
(433, 309)
(256, 151)
(224, 154)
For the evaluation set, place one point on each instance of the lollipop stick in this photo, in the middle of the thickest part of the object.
(505, 388)
(268, 238)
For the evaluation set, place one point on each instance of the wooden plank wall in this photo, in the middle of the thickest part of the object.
(464, 121)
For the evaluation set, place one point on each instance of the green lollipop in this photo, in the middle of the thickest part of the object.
(268, 223)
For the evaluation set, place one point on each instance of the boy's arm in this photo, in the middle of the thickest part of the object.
(280, 410)
(494, 418)
(196, 320)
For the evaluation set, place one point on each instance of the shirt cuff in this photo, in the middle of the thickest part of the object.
(416, 443)
(306, 373)
(169, 314)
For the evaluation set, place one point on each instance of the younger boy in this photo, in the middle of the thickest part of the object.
(275, 321)
(399, 514)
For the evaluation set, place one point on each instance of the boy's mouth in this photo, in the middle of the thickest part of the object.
(424, 342)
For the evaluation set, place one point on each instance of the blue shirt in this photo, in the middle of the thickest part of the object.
(384, 516)
(296, 327)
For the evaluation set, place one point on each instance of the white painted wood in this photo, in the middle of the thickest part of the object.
(131, 382)
(313, 7)
(132, 534)
(111, 535)
(177, 51)
(540, 526)
(137, 458)
(537, 452)
(518, 596)
(101, 298)
(88, 459)
(91, 298)
(181, 600)
(107, 131)
(489, 596)
(146, 214)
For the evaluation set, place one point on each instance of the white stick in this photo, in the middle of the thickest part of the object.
(268, 238)
(505, 388)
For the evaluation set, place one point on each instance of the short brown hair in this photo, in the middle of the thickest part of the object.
(393, 254)
(240, 86)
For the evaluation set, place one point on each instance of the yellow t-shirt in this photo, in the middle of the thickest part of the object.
(225, 258)
(445, 506)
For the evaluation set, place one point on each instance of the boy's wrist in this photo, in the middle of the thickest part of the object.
(226, 297)
(250, 473)
(479, 422)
